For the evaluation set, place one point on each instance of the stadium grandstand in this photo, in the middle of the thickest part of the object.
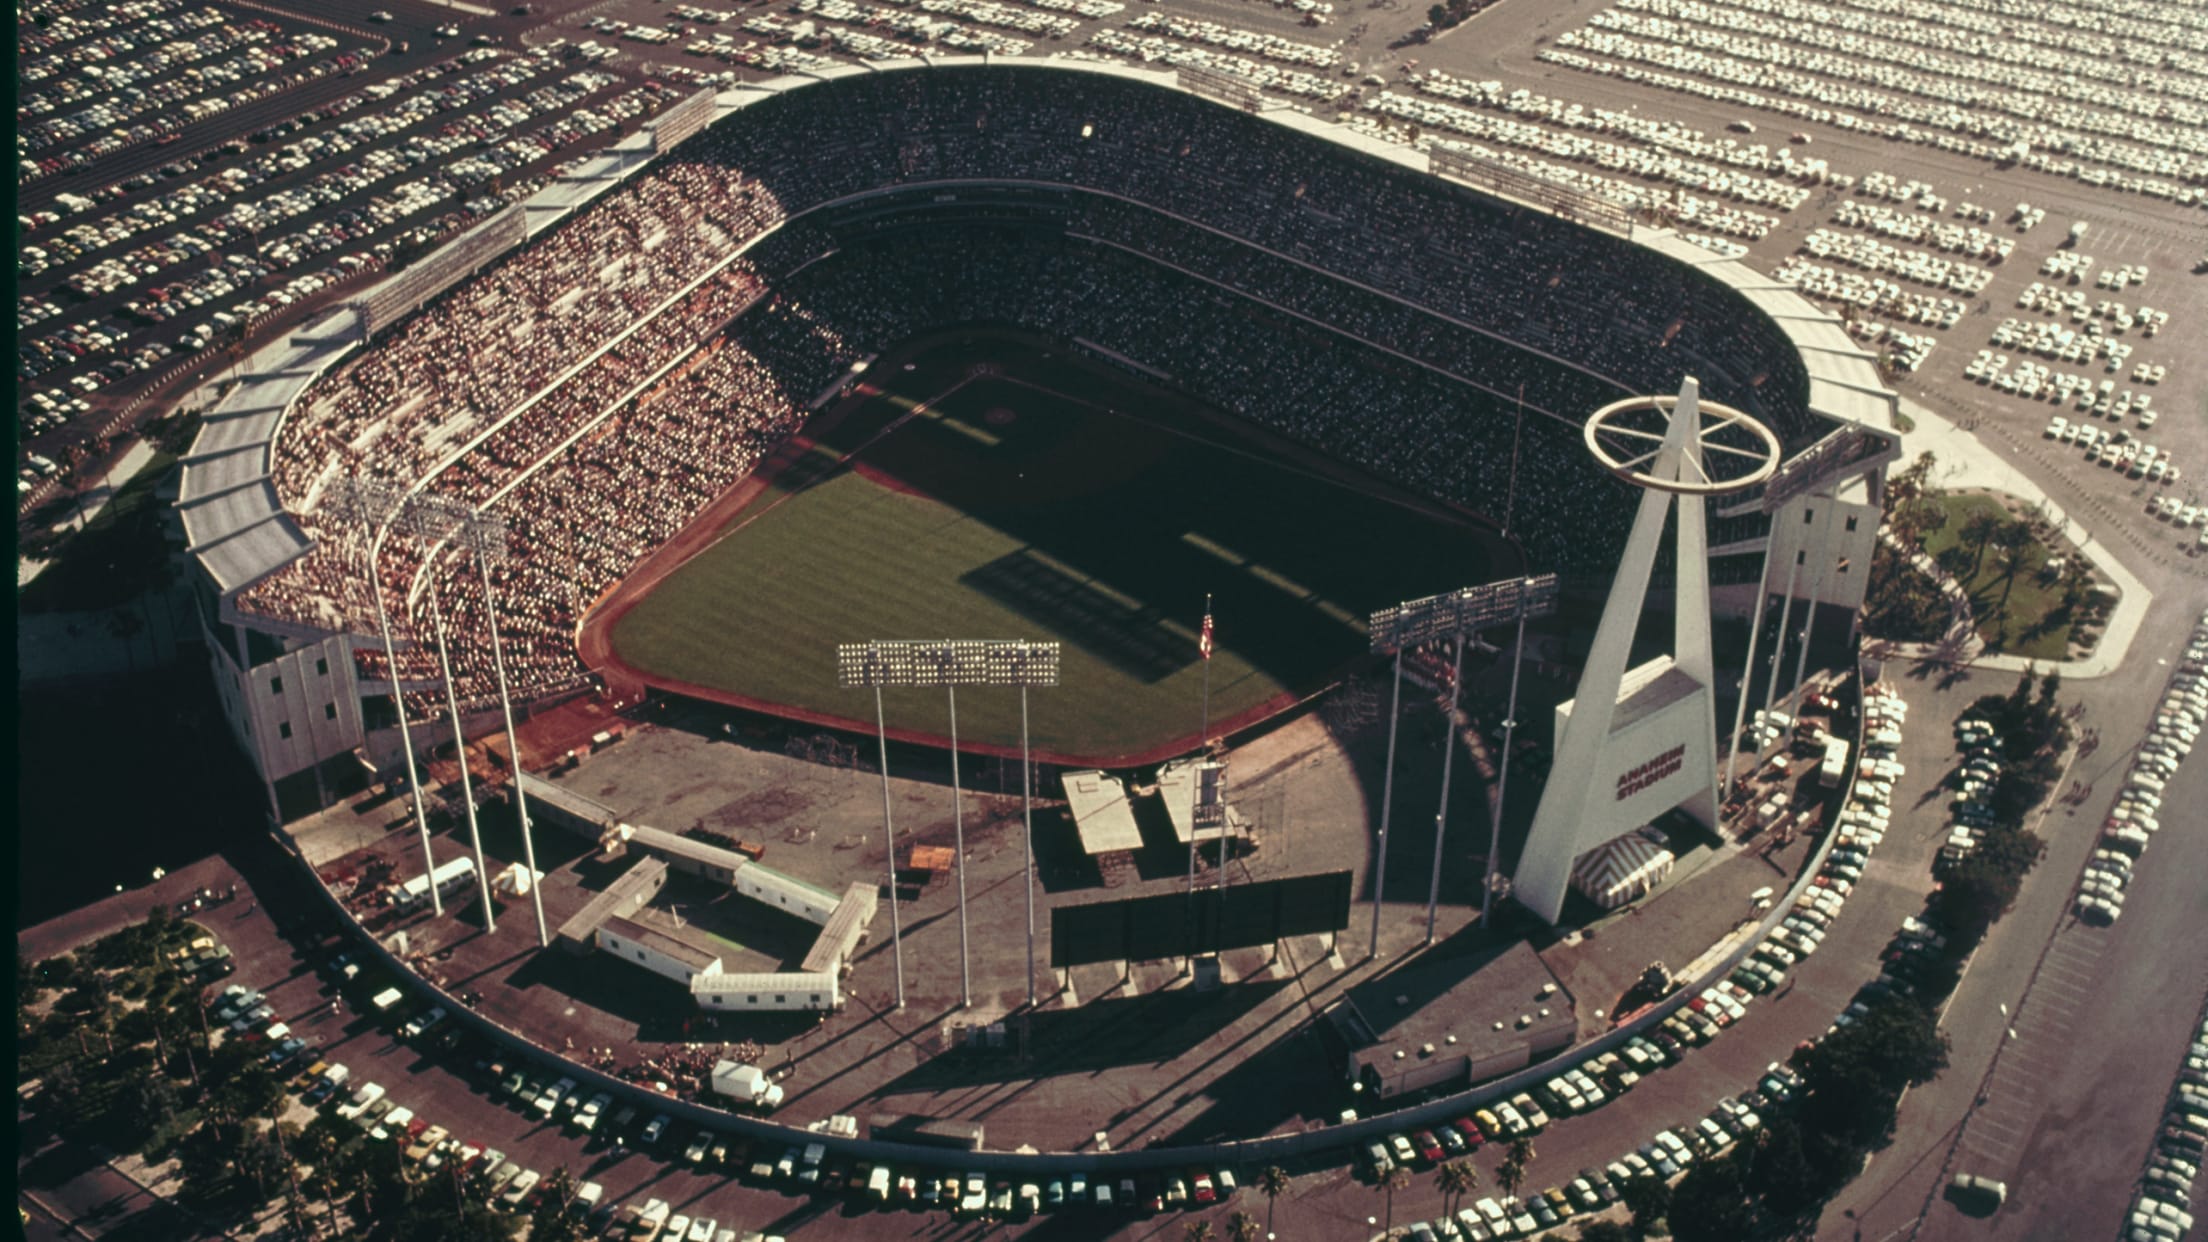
(673, 314)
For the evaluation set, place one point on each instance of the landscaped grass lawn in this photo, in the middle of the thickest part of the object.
(2011, 609)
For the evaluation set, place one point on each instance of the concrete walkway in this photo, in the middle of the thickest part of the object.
(1965, 461)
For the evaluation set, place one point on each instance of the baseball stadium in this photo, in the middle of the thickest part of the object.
(1060, 352)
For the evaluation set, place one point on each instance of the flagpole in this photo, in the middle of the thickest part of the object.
(1203, 735)
(1203, 750)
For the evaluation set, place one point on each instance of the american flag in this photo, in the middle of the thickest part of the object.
(1203, 640)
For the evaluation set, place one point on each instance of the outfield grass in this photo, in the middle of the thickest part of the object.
(1008, 511)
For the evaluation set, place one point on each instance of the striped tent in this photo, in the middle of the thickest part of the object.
(1621, 870)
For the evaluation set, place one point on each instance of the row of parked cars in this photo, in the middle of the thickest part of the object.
(2161, 1210)
(1670, 1152)
(2138, 810)
(425, 1148)
(140, 114)
(1817, 65)
(1667, 1155)
(1971, 813)
(333, 229)
(1594, 1082)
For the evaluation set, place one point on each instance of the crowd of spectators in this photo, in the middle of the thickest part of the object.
(601, 386)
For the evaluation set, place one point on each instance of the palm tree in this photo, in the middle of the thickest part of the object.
(1397, 1178)
(1512, 1173)
(321, 1151)
(1457, 1178)
(1200, 1230)
(2015, 544)
(1242, 1227)
(1273, 1180)
(1982, 528)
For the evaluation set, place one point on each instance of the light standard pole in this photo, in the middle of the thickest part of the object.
(889, 830)
(1456, 615)
(949, 664)
(1535, 588)
(1387, 804)
(1027, 840)
(460, 752)
(1748, 673)
(377, 505)
(1448, 761)
(958, 845)
(484, 535)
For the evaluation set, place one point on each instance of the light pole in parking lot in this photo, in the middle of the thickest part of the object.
(1456, 615)
(950, 664)
(375, 506)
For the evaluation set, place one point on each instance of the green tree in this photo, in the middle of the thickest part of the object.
(553, 1221)
(1982, 887)
(1780, 1172)
(2014, 543)
(1243, 1227)
(63, 1095)
(1648, 1199)
(1898, 1038)
(243, 1085)
(1273, 1181)
(1975, 893)
(1198, 1230)
(319, 1145)
(150, 1103)
(203, 1165)
(1853, 1078)
(93, 1005)
(1711, 1204)
(1457, 1178)
(258, 1160)
(2016, 709)
(1911, 481)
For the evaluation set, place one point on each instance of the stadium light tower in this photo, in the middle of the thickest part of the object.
(433, 523)
(483, 534)
(375, 506)
(1415, 623)
(950, 663)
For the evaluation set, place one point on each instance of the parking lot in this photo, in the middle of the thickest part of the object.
(1959, 265)
(304, 182)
